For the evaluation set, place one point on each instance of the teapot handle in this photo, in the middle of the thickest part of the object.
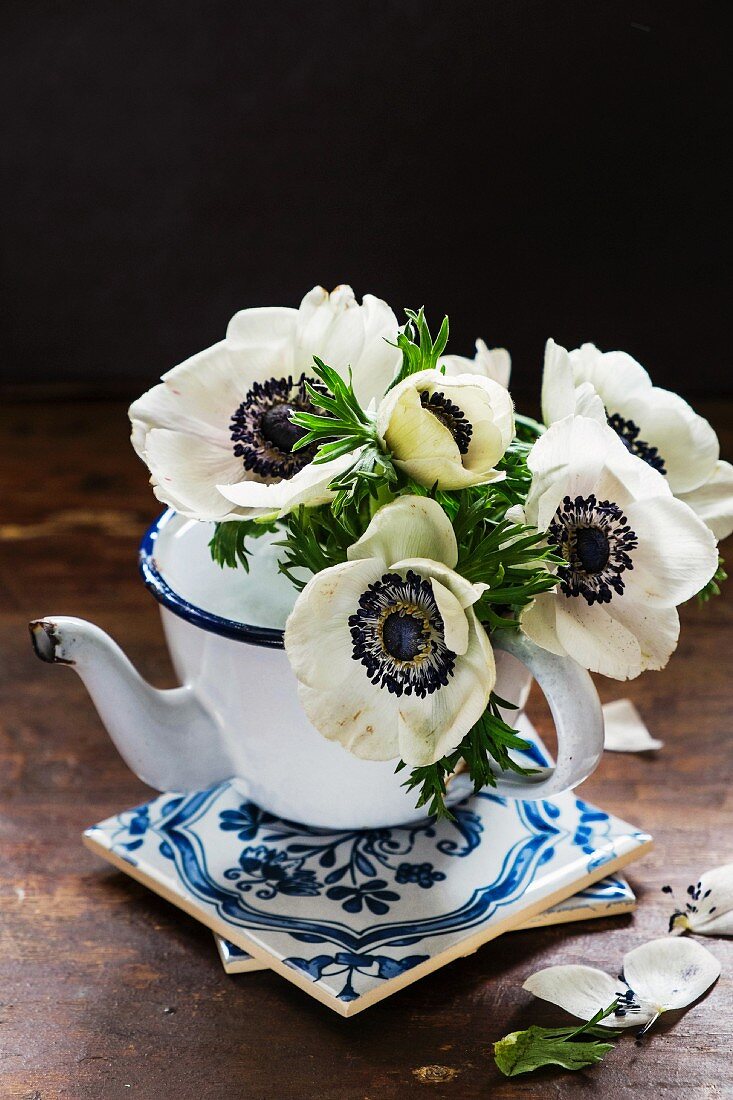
(576, 711)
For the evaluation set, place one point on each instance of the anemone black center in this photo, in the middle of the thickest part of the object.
(262, 431)
(598, 545)
(628, 432)
(403, 636)
(450, 416)
(398, 635)
(278, 428)
(592, 548)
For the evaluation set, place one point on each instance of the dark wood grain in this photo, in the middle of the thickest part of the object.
(107, 991)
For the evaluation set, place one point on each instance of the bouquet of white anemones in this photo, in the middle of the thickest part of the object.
(418, 514)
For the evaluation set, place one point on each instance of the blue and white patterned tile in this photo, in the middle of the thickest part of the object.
(353, 916)
(611, 897)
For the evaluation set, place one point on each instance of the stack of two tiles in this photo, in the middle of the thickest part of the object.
(351, 917)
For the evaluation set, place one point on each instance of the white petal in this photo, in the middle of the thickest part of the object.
(589, 403)
(464, 591)
(516, 514)
(262, 325)
(185, 471)
(613, 374)
(676, 555)
(408, 527)
(495, 363)
(198, 397)
(425, 448)
(348, 335)
(714, 903)
(447, 473)
(582, 991)
(360, 716)
(317, 634)
(558, 385)
(539, 623)
(309, 486)
(490, 362)
(713, 500)
(541, 509)
(409, 430)
(317, 313)
(455, 623)
(638, 479)
(671, 972)
(431, 727)
(625, 730)
(490, 411)
(576, 446)
(597, 641)
(379, 359)
(655, 629)
(686, 442)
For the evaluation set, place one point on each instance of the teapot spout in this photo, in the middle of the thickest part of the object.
(168, 738)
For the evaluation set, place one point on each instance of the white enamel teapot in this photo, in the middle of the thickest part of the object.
(237, 715)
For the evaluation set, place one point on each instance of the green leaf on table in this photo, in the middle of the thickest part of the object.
(525, 1051)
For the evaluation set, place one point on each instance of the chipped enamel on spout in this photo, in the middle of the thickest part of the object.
(237, 715)
(157, 733)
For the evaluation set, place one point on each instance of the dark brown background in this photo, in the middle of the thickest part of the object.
(532, 169)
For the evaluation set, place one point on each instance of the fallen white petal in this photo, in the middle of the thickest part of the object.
(710, 910)
(625, 730)
(583, 991)
(670, 973)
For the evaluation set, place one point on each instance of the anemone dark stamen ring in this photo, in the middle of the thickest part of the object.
(398, 635)
(263, 433)
(450, 416)
(628, 433)
(596, 541)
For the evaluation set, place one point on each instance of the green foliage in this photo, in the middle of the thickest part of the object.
(314, 539)
(370, 475)
(423, 354)
(490, 739)
(346, 428)
(511, 558)
(537, 1047)
(712, 588)
(228, 543)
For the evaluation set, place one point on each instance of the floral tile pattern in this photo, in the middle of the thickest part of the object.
(610, 897)
(353, 916)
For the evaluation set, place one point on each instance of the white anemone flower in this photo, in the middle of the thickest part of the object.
(494, 363)
(632, 552)
(659, 976)
(624, 729)
(390, 657)
(449, 432)
(709, 910)
(654, 424)
(222, 418)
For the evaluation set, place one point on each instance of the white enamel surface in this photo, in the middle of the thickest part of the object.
(576, 709)
(238, 714)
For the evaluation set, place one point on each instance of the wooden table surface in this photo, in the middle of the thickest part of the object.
(107, 991)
